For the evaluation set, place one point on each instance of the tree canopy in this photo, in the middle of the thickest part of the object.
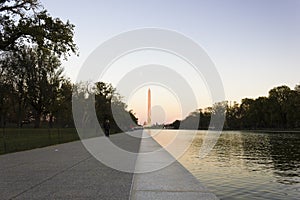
(31, 45)
(280, 110)
(26, 22)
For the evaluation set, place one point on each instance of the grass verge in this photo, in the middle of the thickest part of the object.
(14, 139)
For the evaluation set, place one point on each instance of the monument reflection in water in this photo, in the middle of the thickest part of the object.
(245, 165)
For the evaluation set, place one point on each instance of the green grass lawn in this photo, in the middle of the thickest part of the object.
(14, 139)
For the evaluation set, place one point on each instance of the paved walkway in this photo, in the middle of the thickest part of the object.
(68, 171)
(172, 182)
(65, 171)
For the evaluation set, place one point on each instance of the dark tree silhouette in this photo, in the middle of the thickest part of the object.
(25, 22)
(280, 110)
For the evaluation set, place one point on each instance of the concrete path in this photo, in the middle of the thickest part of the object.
(172, 182)
(65, 171)
(68, 171)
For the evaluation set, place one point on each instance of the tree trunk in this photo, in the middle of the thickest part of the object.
(37, 120)
(19, 115)
(51, 121)
(2, 118)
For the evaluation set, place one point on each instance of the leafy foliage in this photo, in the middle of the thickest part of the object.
(26, 22)
(280, 110)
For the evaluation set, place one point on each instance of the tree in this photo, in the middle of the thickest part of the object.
(218, 114)
(84, 105)
(122, 119)
(55, 80)
(174, 125)
(261, 112)
(191, 121)
(63, 111)
(103, 99)
(233, 116)
(43, 80)
(247, 114)
(205, 116)
(134, 119)
(109, 105)
(297, 88)
(281, 109)
(24, 22)
(35, 75)
(17, 65)
(279, 98)
(6, 90)
(297, 105)
(31, 44)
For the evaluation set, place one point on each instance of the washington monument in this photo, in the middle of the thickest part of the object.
(149, 108)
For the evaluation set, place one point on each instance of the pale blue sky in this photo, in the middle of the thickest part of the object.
(255, 44)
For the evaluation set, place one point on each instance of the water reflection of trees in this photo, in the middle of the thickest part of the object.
(246, 152)
(267, 153)
(285, 152)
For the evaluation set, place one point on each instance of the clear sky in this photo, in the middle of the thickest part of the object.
(255, 44)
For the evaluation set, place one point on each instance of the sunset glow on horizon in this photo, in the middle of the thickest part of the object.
(164, 110)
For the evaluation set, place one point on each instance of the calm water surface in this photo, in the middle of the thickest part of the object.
(245, 165)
